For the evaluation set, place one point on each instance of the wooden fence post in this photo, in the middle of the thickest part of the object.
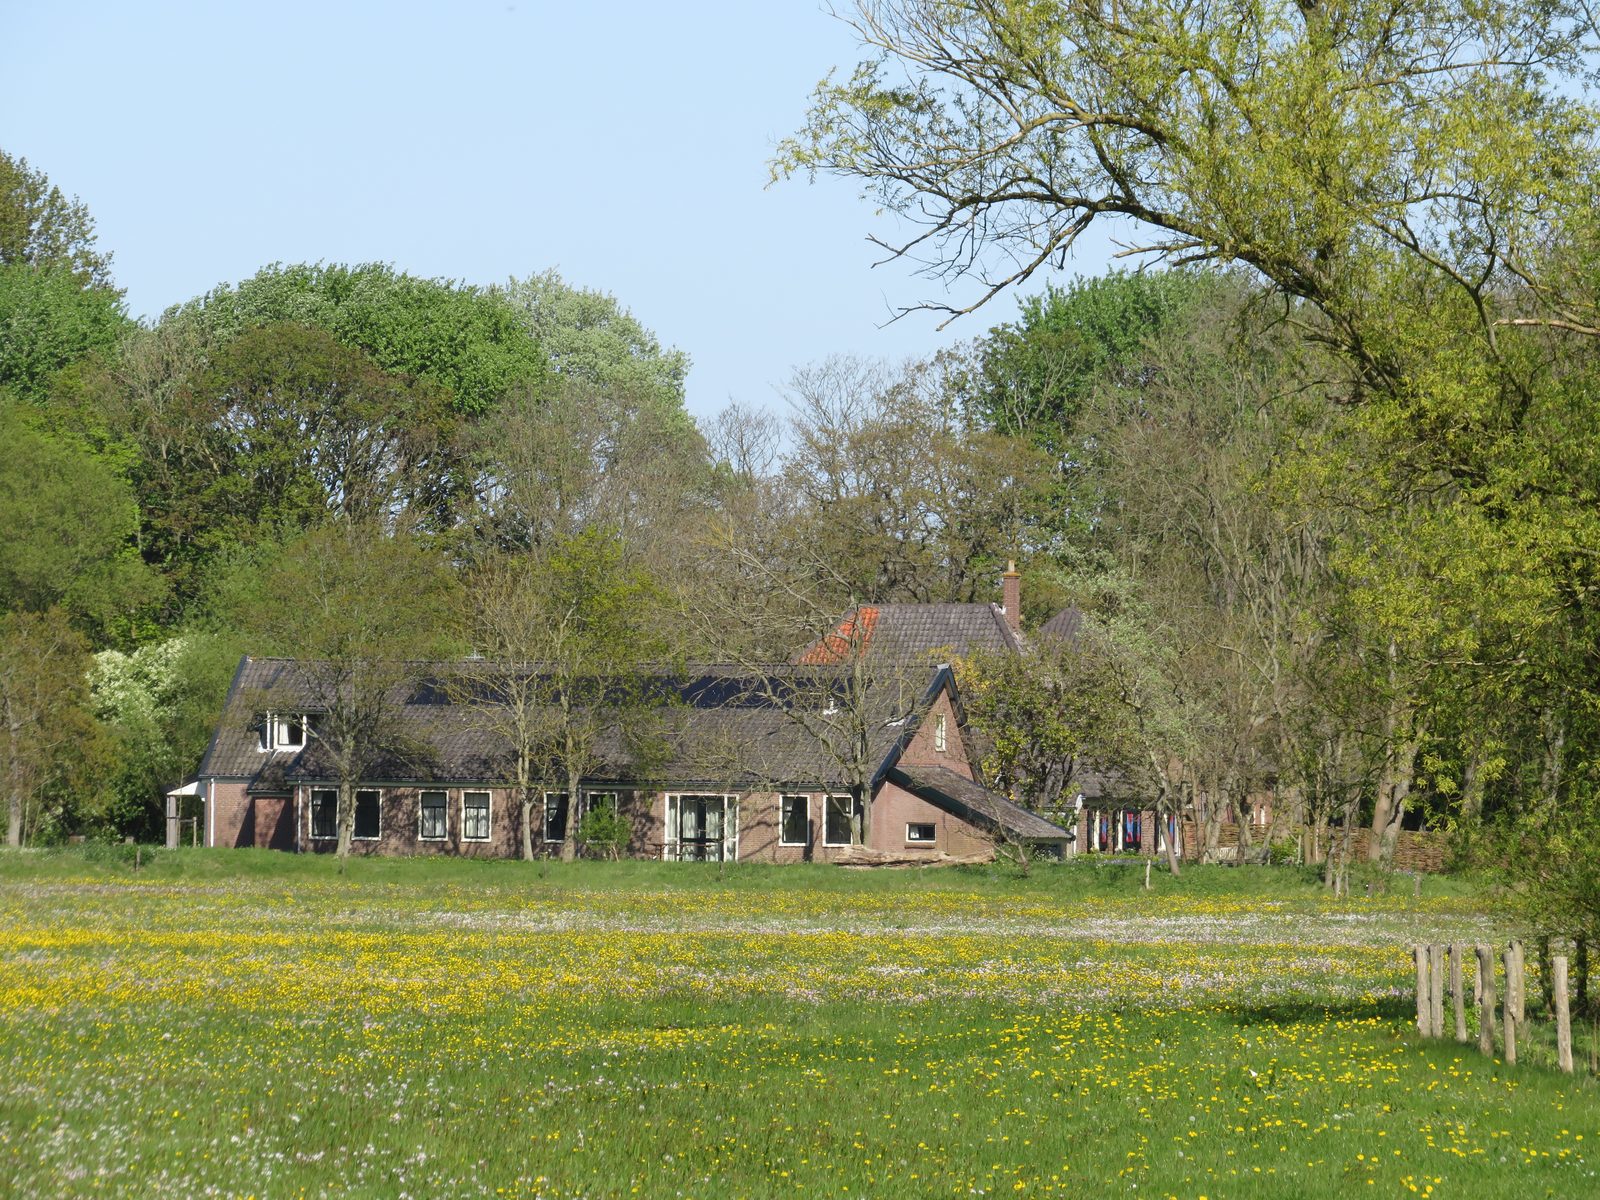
(1558, 970)
(1436, 989)
(1420, 953)
(1516, 981)
(1486, 1000)
(1456, 997)
(1510, 1006)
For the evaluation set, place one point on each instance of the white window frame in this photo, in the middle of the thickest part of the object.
(804, 800)
(730, 824)
(488, 808)
(311, 815)
(544, 819)
(355, 800)
(422, 795)
(930, 826)
(853, 811)
(274, 724)
(941, 738)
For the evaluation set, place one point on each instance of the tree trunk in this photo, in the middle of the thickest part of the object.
(527, 822)
(569, 842)
(347, 819)
(1402, 739)
(1394, 788)
(14, 774)
(1173, 832)
(1208, 822)
(1472, 785)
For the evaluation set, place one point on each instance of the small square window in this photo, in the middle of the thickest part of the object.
(475, 816)
(843, 816)
(434, 805)
(324, 813)
(921, 831)
(367, 820)
(282, 731)
(794, 821)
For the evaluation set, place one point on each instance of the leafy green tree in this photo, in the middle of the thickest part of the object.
(1044, 714)
(70, 525)
(42, 229)
(361, 610)
(304, 430)
(1039, 371)
(159, 704)
(589, 336)
(470, 340)
(46, 728)
(1413, 189)
(49, 320)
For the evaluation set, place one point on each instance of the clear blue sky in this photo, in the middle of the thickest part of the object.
(624, 144)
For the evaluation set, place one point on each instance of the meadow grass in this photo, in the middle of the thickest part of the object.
(237, 1023)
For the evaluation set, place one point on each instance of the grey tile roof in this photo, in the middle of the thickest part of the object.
(973, 802)
(916, 633)
(708, 725)
(1064, 625)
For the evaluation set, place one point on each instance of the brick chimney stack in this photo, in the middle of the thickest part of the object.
(1011, 597)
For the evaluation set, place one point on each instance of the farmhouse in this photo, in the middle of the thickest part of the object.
(716, 765)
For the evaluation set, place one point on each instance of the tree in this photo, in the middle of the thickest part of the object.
(781, 615)
(49, 320)
(568, 636)
(580, 456)
(467, 339)
(589, 336)
(45, 723)
(1042, 714)
(1411, 186)
(41, 229)
(1039, 371)
(891, 484)
(158, 705)
(303, 430)
(361, 610)
(70, 523)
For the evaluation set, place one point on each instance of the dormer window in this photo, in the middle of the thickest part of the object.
(283, 731)
(941, 739)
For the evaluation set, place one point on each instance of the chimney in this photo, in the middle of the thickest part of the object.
(1011, 597)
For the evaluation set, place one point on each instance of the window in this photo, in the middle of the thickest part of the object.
(474, 816)
(940, 739)
(920, 832)
(555, 816)
(324, 813)
(794, 820)
(701, 829)
(433, 816)
(366, 817)
(283, 731)
(843, 817)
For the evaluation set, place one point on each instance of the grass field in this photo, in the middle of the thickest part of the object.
(245, 1024)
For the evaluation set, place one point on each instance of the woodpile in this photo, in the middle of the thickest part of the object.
(862, 856)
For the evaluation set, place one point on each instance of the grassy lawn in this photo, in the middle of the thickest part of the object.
(238, 1023)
